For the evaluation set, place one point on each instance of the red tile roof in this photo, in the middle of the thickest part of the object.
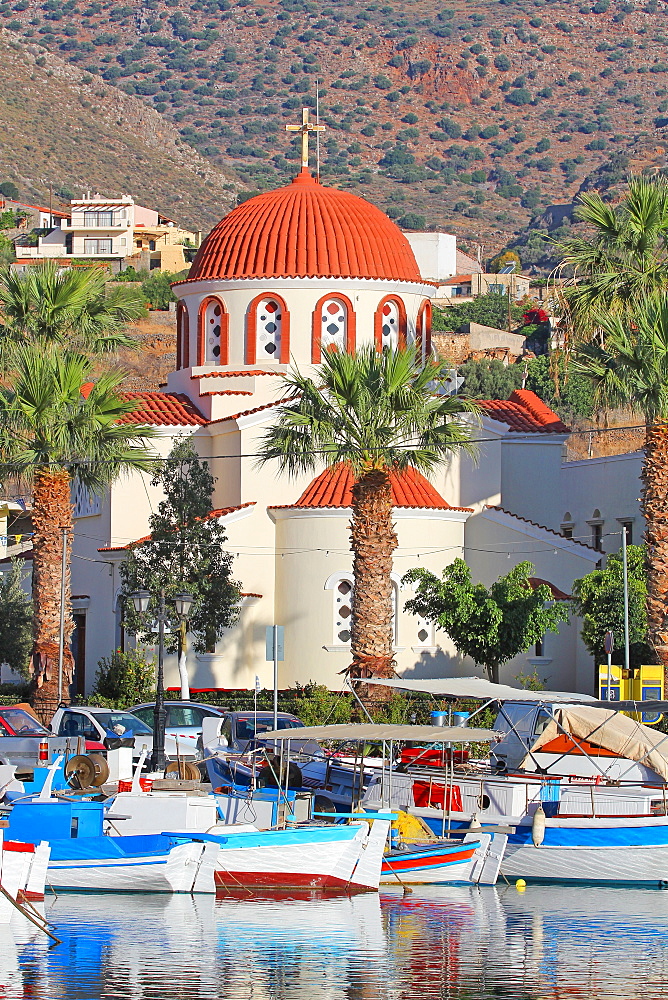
(217, 374)
(256, 409)
(219, 512)
(163, 409)
(524, 411)
(333, 488)
(535, 582)
(535, 524)
(305, 230)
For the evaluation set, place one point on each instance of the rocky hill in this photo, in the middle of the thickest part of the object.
(474, 118)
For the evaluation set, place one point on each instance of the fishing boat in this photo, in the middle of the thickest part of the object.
(23, 869)
(561, 827)
(416, 857)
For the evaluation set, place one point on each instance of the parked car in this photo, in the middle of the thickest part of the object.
(21, 735)
(105, 725)
(243, 730)
(184, 721)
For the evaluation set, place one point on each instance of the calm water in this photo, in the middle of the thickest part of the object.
(445, 943)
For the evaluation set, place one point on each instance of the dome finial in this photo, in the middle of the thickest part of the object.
(304, 129)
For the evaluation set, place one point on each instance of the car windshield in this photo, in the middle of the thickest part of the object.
(246, 728)
(21, 722)
(121, 723)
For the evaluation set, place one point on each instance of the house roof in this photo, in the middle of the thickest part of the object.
(219, 512)
(333, 488)
(524, 411)
(306, 230)
(217, 374)
(162, 409)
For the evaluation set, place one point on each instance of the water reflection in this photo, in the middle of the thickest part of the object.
(444, 943)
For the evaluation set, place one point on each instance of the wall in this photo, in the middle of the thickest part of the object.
(435, 253)
(611, 485)
(531, 476)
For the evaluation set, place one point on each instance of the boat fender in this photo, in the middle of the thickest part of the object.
(475, 822)
(538, 826)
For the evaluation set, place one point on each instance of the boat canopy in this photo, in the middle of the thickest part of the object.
(610, 731)
(477, 687)
(362, 731)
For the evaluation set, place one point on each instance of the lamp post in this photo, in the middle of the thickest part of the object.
(182, 603)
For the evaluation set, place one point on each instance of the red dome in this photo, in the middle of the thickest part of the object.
(306, 230)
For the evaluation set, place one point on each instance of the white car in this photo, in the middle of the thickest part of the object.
(108, 724)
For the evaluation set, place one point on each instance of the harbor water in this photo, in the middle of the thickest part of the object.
(450, 943)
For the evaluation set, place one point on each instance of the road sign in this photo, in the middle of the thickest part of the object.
(274, 642)
(608, 642)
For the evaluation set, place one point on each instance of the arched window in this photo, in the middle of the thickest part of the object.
(423, 330)
(341, 585)
(212, 333)
(182, 336)
(333, 326)
(268, 331)
(390, 324)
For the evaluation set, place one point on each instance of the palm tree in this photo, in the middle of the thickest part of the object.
(625, 258)
(69, 306)
(57, 426)
(377, 414)
(631, 364)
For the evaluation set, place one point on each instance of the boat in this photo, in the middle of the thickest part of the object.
(561, 827)
(23, 868)
(460, 857)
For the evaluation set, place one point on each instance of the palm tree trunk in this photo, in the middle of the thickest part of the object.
(52, 511)
(373, 540)
(654, 497)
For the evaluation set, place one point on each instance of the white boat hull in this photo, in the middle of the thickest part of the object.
(634, 865)
(178, 870)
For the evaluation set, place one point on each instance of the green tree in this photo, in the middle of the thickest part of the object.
(66, 306)
(572, 394)
(624, 256)
(491, 626)
(157, 289)
(58, 426)
(184, 553)
(15, 620)
(488, 310)
(490, 379)
(376, 414)
(598, 598)
(504, 259)
(629, 363)
(124, 678)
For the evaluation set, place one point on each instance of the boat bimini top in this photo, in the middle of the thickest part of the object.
(363, 732)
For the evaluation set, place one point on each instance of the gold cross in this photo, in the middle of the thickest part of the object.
(305, 127)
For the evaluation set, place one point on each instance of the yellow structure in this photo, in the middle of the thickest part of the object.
(646, 683)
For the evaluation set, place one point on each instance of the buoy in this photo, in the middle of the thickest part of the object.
(538, 826)
(520, 885)
(475, 822)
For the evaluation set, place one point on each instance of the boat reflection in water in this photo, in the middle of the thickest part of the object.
(450, 943)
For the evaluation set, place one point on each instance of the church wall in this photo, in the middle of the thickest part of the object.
(565, 664)
(609, 485)
(475, 480)
(315, 547)
(531, 478)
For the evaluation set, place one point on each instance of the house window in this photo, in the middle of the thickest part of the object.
(539, 648)
(597, 536)
(84, 503)
(627, 526)
(268, 329)
(389, 331)
(567, 525)
(423, 330)
(98, 219)
(213, 326)
(425, 633)
(92, 247)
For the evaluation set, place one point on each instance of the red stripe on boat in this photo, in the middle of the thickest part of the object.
(280, 880)
(16, 845)
(407, 863)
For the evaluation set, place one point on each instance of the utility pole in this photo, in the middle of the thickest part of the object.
(627, 653)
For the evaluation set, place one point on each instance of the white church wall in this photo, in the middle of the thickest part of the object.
(474, 480)
(531, 477)
(610, 485)
(490, 538)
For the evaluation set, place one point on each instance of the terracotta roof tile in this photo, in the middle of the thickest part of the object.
(256, 409)
(306, 230)
(524, 411)
(333, 488)
(219, 512)
(163, 409)
(535, 524)
(217, 374)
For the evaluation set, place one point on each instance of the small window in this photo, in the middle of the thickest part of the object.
(597, 536)
(627, 526)
(343, 610)
(542, 722)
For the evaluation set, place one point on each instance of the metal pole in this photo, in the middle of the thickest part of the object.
(61, 638)
(275, 629)
(609, 676)
(627, 653)
(158, 759)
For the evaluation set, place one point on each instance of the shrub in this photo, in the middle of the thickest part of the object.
(9, 189)
(518, 97)
(502, 63)
(413, 221)
(124, 678)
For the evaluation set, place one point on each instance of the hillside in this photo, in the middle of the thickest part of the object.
(58, 131)
(472, 118)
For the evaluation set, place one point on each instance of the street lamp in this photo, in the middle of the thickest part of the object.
(182, 603)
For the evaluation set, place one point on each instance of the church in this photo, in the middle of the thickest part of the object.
(282, 278)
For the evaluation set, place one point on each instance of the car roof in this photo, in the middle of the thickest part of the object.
(262, 713)
(94, 709)
(169, 703)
